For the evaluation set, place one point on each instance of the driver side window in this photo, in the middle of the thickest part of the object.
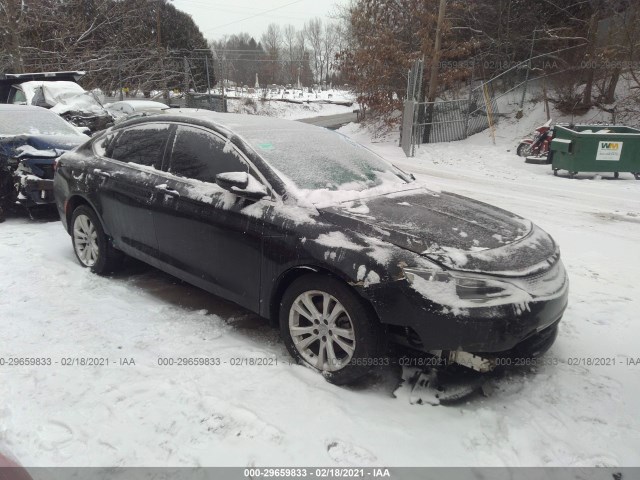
(201, 155)
(19, 97)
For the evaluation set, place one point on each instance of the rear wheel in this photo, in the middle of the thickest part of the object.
(326, 326)
(92, 247)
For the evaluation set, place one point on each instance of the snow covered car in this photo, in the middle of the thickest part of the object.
(126, 109)
(66, 98)
(31, 139)
(302, 225)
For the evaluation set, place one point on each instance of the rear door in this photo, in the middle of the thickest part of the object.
(204, 235)
(130, 168)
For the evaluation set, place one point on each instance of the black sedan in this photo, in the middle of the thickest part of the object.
(31, 139)
(302, 225)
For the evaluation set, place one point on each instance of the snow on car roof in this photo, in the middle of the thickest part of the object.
(139, 104)
(240, 123)
(8, 107)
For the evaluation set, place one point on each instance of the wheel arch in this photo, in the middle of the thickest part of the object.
(292, 274)
(73, 202)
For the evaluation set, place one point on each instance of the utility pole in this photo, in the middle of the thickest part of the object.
(433, 78)
(163, 72)
(186, 76)
(520, 112)
(120, 77)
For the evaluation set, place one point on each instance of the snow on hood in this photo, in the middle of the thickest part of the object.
(29, 151)
(40, 146)
(457, 232)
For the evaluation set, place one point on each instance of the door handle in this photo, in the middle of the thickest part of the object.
(102, 174)
(168, 191)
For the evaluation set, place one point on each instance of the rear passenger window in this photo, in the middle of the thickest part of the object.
(201, 155)
(142, 145)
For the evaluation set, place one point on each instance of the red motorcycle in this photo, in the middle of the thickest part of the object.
(538, 146)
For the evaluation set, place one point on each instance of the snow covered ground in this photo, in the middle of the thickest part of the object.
(569, 414)
(291, 111)
(316, 104)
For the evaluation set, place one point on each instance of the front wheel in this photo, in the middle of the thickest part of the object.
(92, 247)
(326, 326)
(524, 149)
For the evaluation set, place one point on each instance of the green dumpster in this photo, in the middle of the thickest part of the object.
(596, 148)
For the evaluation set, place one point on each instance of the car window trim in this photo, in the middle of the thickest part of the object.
(135, 166)
(252, 168)
(164, 173)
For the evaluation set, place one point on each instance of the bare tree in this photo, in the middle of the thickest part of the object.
(289, 50)
(272, 43)
(329, 48)
(313, 31)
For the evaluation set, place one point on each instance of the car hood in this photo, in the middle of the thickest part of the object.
(40, 146)
(455, 231)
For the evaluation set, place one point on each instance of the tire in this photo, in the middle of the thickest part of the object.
(524, 149)
(98, 254)
(356, 351)
(616, 175)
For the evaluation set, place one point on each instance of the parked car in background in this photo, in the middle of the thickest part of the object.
(304, 226)
(67, 99)
(127, 109)
(8, 80)
(31, 139)
(59, 92)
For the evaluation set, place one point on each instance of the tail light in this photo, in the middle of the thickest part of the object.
(56, 163)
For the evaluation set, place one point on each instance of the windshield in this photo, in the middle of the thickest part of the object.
(319, 159)
(40, 122)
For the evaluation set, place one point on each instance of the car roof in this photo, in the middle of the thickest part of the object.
(232, 122)
(140, 102)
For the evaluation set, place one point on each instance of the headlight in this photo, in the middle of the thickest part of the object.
(480, 290)
(461, 290)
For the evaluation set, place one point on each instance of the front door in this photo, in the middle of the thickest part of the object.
(203, 233)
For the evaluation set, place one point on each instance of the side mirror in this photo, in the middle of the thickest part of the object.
(241, 183)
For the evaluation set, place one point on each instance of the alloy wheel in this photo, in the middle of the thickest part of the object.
(85, 240)
(322, 330)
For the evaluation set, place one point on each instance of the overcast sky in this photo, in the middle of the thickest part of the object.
(217, 18)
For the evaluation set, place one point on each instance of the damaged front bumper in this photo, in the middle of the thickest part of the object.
(475, 335)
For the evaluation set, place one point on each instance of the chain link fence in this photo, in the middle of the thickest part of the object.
(482, 105)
